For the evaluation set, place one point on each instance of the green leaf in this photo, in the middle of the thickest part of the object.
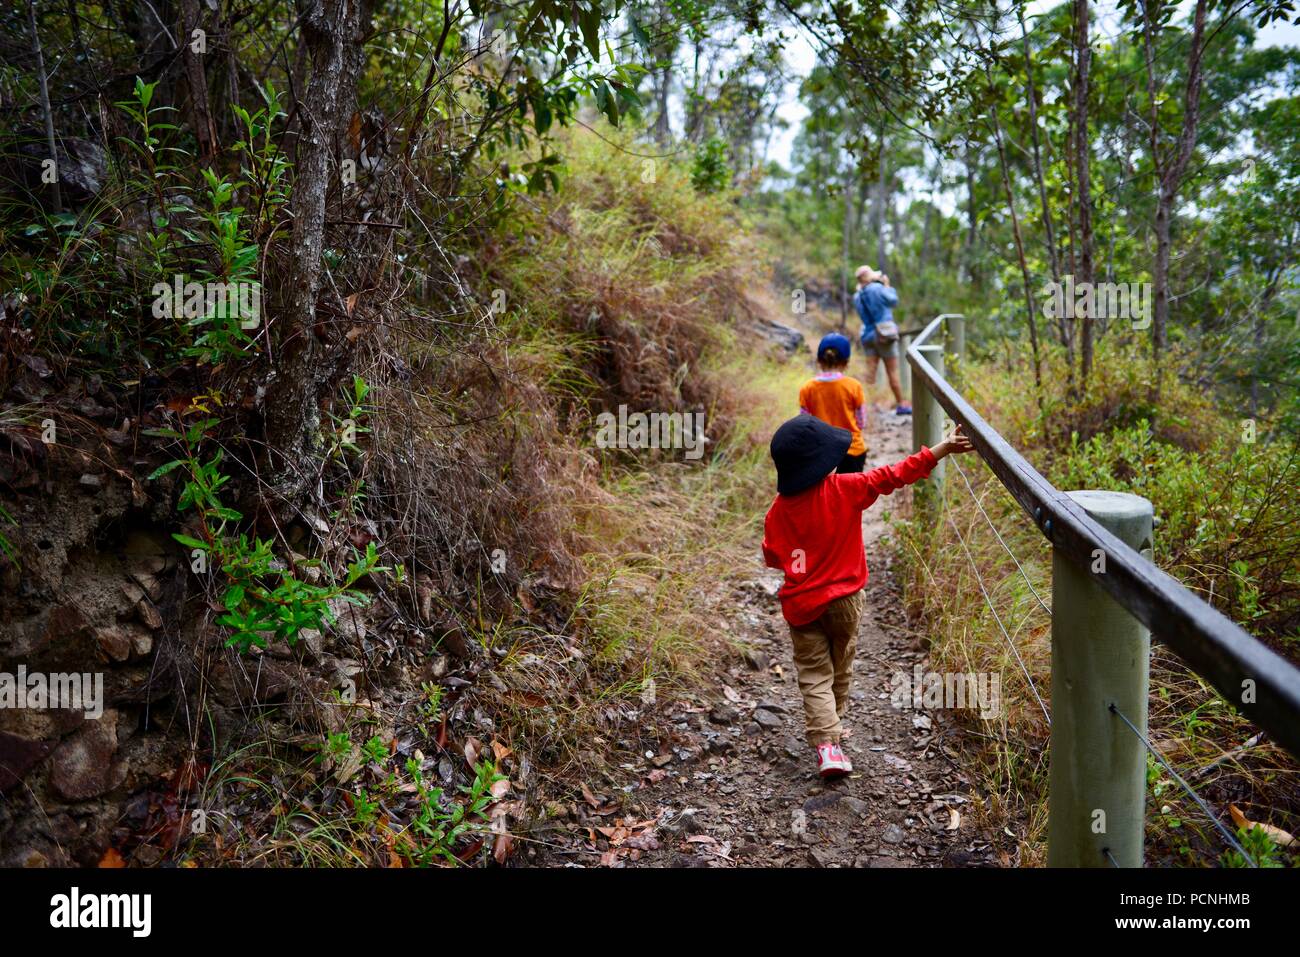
(541, 116)
(638, 33)
(162, 470)
(234, 597)
(589, 23)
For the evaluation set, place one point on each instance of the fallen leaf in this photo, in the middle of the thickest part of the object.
(349, 765)
(1279, 837)
(525, 599)
(467, 855)
(112, 858)
(473, 746)
(501, 847)
(616, 835)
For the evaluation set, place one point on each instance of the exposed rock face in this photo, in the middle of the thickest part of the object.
(102, 590)
(17, 756)
(789, 340)
(82, 167)
(95, 592)
(86, 764)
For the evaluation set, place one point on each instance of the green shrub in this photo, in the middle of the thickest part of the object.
(710, 172)
(1227, 522)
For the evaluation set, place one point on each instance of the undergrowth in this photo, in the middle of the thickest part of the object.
(1223, 491)
(587, 579)
(634, 288)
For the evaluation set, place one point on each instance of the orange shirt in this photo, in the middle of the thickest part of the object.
(838, 400)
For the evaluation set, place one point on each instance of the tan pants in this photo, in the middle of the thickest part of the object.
(823, 653)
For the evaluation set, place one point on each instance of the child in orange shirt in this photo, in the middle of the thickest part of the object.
(838, 399)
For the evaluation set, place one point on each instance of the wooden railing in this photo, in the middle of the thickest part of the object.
(1106, 594)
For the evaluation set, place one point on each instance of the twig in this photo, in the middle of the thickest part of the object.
(1229, 755)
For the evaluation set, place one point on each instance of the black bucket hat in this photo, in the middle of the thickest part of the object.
(806, 450)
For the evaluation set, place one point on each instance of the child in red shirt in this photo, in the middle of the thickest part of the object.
(813, 532)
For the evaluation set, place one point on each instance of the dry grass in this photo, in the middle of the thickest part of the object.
(561, 578)
(1189, 722)
(620, 563)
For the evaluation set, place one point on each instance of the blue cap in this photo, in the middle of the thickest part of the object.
(834, 343)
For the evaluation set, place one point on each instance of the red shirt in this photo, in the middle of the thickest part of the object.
(815, 537)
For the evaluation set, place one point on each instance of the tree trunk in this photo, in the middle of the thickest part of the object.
(927, 230)
(1170, 176)
(205, 130)
(663, 130)
(882, 195)
(1030, 306)
(1053, 253)
(1083, 168)
(46, 112)
(850, 185)
(970, 216)
(333, 32)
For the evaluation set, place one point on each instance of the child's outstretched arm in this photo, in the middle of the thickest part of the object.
(954, 444)
(888, 478)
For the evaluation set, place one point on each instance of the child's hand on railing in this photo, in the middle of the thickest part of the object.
(956, 442)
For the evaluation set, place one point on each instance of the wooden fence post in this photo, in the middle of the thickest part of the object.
(956, 337)
(927, 422)
(1100, 658)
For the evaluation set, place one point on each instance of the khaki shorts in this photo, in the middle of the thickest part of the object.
(874, 347)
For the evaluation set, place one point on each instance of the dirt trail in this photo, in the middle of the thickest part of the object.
(735, 784)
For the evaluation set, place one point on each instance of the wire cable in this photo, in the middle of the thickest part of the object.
(1001, 541)
(979, 579)
(1187, 787)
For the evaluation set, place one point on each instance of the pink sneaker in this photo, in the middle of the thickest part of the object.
(831, 762)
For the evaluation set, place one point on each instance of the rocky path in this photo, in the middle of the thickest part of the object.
(734, 783)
